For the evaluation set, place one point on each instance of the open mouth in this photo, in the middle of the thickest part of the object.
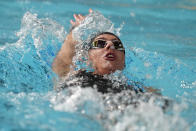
(110, 56)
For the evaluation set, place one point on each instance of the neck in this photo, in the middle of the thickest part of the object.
(103, 72)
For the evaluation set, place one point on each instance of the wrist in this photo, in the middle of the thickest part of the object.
(72, 28)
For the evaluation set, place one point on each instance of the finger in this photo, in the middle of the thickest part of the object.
(81, 17)
(76, 17)
(72, 22)
(90, 10)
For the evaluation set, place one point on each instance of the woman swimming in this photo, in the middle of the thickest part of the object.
(106, 52)
(107, 55)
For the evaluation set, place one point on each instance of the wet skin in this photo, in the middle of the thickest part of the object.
(106, 60)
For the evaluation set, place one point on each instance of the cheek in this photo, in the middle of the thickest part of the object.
(94, 56)
(121, 59)
(121, 56)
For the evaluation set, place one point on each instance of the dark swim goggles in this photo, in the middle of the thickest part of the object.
(102, 43)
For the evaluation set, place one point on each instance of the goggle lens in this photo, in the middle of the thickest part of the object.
(99, 43)
(102, 43)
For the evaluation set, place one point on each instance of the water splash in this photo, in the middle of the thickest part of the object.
(46, 34)
(26, 64)
(123, 111)
(19, 110)
(39, 29)
(152, 68)
(77, 99)
(24, 68)
(93, 24)
(146, 117)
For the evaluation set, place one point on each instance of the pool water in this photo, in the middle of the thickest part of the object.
(160, 41)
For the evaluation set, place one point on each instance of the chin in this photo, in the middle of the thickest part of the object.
(108, 65)
(109, 68)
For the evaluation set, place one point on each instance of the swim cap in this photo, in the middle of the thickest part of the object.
(98, 34)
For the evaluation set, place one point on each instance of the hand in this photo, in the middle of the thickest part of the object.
(78, 19)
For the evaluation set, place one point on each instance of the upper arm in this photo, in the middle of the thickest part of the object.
(63, 60)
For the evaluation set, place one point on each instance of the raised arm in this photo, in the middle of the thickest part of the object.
(63, 61)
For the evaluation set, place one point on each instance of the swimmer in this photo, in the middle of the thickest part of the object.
(106, 52)
(107, 55)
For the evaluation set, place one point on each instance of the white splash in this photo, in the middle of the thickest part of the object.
(73, 99)
(39, 29)
(93, 24)
(147, 117)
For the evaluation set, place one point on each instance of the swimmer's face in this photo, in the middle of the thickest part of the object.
(107, 59)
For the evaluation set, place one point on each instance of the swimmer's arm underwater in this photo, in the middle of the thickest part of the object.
(152, 90)
(63, 61)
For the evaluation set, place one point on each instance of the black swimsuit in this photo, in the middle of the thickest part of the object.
(103, 85)
(88, 79)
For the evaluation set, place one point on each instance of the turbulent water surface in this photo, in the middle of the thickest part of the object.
(160, 41)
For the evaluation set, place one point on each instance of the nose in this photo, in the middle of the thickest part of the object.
(109, 45)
